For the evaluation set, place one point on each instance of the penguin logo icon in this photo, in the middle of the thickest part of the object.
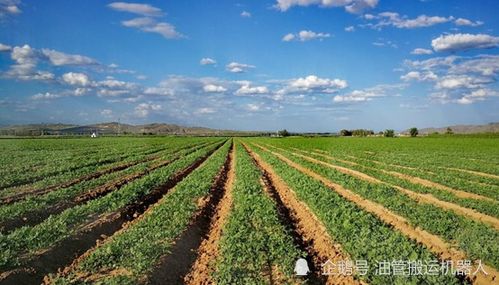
(301, 267)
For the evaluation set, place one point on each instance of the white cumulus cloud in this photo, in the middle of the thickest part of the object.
(351, 6)
(304, 36)
(420, 51)
(350, 29)
(466, 22)
(236, 67)
(207, 61)
(136, 8)
(5, 47)
(212, 88)
(58, 58)
(419, 76)
(74, 78)
(458, 42)
(143, 109)
(403, 22)
(247, 89)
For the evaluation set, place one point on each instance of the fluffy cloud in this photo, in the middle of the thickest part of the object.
(253, 107)
(45, 96)
(350, 29)
(247, 89)
(150, 25)
(464, 98)
(58, 58)
(466, 22)
(207, 61)
(312, 84)
(136, 8)
(419, 76)
(351, 6)
(402, 22)
(26, 59)
(9, 7)
(369, 94)
(143, 109)
(420, 51)
(461, 81)
(288, 37)
(106, 112)
(236, 67)
(212, 88)
(304, 36)
(73, 78)
(204, 111)
(245, 14)
(476, 95)
(113, 83)
(5, 47)
(485, 65)
(456, 79)
(458, 42)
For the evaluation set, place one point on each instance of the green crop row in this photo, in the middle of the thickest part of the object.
(487, 207)
(39, 203)
(254, 242)
(478, 240)
(479, 154)
(63, 177)
(53, 166)
(363, 236)
(58, 171)
(137, 249)
(28, 240)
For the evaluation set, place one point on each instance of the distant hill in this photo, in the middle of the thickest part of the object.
(463, 129)
(113, 128)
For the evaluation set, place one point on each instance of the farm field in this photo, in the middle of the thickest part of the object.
(199, 210)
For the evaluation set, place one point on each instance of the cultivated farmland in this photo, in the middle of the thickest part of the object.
(172, 210)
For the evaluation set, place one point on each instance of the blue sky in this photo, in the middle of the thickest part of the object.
(304, 65)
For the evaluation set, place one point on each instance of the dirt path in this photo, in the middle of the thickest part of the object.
(431, 184)
(63, 254)
(202, 269)
(311, 234)
(488, 175)
(433, 242)
(428, 183)
(185, 253)
(425, 198)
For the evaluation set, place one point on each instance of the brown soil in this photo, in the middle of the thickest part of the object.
(309, 233)
(32, 192)
(431, 184)
(88, 235)
(174, 267)
(203, 267)
(428, 183)
(475, 172)
(433, 242)
(430, 199)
